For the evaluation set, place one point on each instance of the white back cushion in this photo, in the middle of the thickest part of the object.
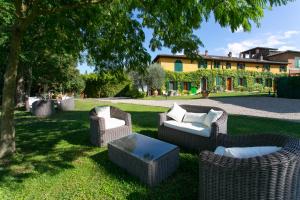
(246, 152)
(212, 116)
(194, 117)
(103, 111)
(177, 113)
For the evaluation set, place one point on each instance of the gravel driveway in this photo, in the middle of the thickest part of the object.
(279, 108)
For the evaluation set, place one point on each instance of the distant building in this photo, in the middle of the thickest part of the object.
(259, 59)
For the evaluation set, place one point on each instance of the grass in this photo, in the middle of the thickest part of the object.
(219, 94)
(56, 161)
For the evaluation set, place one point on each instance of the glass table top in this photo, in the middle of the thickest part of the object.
(143, 147)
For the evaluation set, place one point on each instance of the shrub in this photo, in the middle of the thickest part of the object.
(289, 87)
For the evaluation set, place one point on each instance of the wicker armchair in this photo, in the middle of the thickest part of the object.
(67, 104)
(272, 176)
(100, 136)
(43, 108)
(192, 141)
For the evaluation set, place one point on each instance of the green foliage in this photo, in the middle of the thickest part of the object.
(210, 74)
(106, 84)
(289, 87)
(155, 77)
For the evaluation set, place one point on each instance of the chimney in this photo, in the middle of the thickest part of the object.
(240, 55)
(230, 54)
(206, 53)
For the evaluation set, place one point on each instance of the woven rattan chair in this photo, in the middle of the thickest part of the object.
(273, 176)
(193, 141)
(67, 104)
(43, 108)
(100, 136)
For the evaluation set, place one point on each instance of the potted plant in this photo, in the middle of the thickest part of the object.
(205, 93)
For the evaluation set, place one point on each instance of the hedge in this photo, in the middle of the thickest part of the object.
(289, 87)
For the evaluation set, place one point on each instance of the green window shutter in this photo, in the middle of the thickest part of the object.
(218, 80)
(189, 85)
(178, 66)
(266, 67)
(297, 62)
(216, 64)
(202, 64)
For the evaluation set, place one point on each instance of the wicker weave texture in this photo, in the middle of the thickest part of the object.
(67, 104)
(192, 141)
(100, 136)
(43, 108)
(273, 176)
(150, 173)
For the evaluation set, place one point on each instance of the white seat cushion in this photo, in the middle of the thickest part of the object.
(31, 100)
(246, 152)
(103, 111)
(177, 113)
(194, 117)
(212, 116)
(113, 123)
(193, 128)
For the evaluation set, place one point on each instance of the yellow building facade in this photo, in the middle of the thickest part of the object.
(181, 63)
(169, 63)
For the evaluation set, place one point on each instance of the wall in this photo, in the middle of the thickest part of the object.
(188, 66)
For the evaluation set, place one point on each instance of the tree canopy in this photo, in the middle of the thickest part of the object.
(35, 33)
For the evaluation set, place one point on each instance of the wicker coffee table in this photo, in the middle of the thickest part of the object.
(149, 159)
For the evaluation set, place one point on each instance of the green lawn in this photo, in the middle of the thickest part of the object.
(56, 161)
(219, 94)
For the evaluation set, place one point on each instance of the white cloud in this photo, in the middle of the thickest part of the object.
(278, 40)
(239, 29)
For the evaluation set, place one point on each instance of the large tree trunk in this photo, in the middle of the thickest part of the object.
(7, 140)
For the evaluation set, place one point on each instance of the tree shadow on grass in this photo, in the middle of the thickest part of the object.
(46, 146)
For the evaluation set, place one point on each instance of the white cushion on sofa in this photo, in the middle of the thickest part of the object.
(194, 117)
(246, 152)
(212, 116)
(193, 128)
(113, 123)
(176, 112)
(103, 111)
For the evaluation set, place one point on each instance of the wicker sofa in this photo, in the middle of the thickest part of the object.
(193, 141)
(272, 176)
(100, 135)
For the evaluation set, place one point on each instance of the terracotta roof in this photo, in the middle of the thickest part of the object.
(281, 52)
(220, 58)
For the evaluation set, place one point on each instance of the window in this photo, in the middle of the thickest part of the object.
(202, 64)
(218, 80)
(297, 62)
(216, 64)
(241, 66)
(178, 66)
(258, 80)
(282, 68)
(228, 65)
(268, 82)
(242, 82)
(266, 67)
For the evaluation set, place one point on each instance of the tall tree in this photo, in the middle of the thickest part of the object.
(173, 23)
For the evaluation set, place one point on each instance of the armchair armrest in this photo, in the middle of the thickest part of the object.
(120, 114)
(97, 122)
(162, 118)
(219, 126)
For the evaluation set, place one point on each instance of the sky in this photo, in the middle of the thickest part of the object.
(279, 28)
